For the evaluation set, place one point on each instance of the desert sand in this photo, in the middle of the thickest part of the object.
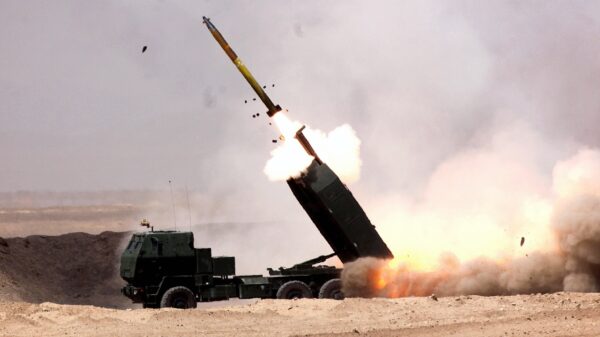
(560, 314)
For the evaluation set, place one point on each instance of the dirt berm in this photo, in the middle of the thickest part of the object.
(75, 268)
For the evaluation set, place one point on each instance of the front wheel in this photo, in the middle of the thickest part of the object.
(332, 289)
(294, 289)
(178, 297)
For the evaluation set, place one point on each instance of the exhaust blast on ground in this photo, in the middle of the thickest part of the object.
(568, 259)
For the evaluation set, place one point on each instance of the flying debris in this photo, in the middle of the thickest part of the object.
(254, 99)
(522, 241)
(258, 114)
(144, 48)
(273, 85)
(264, 87)
(274, 140)
(245, 101)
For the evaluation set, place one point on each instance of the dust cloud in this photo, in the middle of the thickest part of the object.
(571, 263)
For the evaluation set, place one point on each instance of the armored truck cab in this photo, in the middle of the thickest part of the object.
(163, 269)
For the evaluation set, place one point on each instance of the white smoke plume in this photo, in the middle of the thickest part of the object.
(340, 149)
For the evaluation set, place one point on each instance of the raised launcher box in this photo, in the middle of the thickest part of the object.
(337, 215)
(223, 265)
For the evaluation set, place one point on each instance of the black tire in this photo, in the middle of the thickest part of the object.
(178, 297)
(294, 289)
(332, 289)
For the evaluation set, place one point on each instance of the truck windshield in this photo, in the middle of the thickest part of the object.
(134, 244)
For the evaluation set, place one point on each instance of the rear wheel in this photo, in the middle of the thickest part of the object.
(294, 289)
(178, 297)
(332, 289)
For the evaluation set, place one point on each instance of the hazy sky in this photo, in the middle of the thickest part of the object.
(81, 108)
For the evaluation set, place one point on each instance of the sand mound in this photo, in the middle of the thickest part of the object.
(75, 268)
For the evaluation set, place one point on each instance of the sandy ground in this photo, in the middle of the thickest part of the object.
(561, 314)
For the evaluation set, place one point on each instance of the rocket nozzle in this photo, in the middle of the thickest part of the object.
(275, 110)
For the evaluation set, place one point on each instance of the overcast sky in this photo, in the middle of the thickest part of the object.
(81, 108)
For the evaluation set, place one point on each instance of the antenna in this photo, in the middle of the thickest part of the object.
(187, 196)
(173, 204)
